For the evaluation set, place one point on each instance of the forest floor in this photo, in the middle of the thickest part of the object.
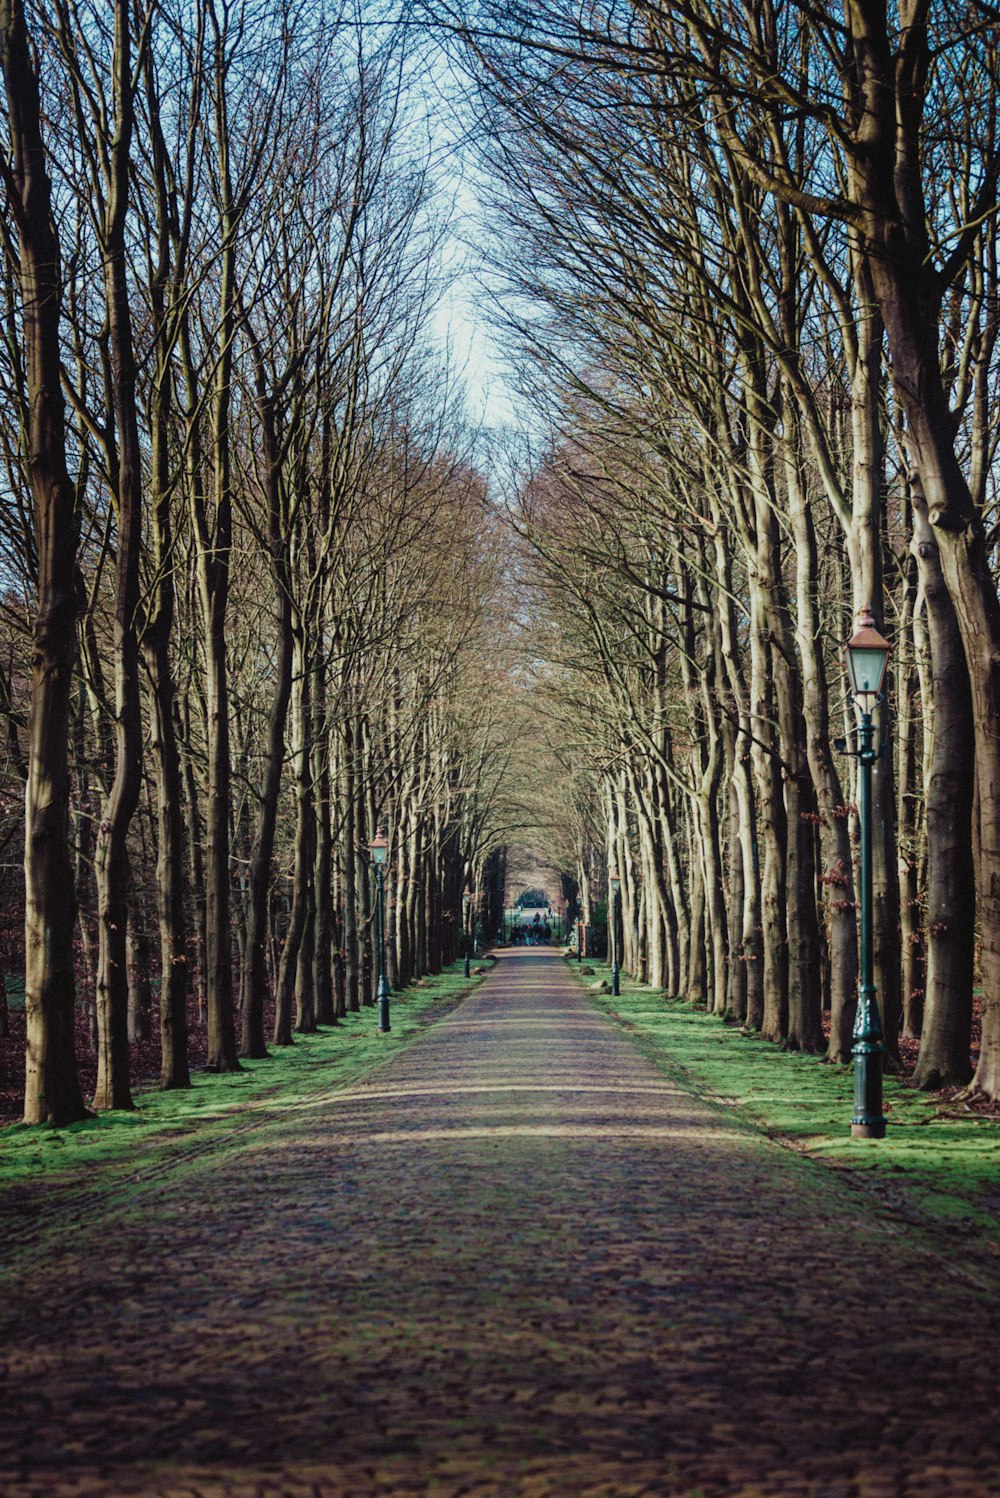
(520, 1255)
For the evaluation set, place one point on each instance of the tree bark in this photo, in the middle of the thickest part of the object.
(52, 1087)
(890, 191)
(302, 857)
(834, 834)
(140, 993)
(111, 853)
(948, 790)
(254, 977)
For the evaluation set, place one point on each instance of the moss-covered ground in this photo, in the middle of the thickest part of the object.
(936, 1167)
(335, 1056)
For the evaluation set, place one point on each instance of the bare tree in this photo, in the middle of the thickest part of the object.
(52, 1089)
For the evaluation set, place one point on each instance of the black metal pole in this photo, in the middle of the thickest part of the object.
(868, 1051)
(615, 968)
(382, 992)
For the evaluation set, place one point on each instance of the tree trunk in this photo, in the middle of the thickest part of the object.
(140, 993)
(889, 189)
(215, 539)
(255, 969)
(218, 968)
(302, 856)
(174, 960)
(748, 949)
(677, 903)
(305, 857)
(111, 853)
(351, 963)
(52, 1091)
(772, 1020)
(947, 1029)
(736, 972)
(323, 948)
(84, 860)
(195, 851)
(695, 978)
(908, 822)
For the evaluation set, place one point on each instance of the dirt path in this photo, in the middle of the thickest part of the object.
(518, 1261)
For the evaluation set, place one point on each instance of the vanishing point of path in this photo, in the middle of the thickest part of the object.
(518, 1260)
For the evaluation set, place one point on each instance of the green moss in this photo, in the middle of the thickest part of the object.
(936, 1168)
(336, 1056)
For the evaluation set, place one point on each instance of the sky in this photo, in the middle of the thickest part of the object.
(461, 327)
(461, 324)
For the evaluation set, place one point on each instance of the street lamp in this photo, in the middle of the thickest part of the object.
(466, 901)
(615, 884)
(866, 657)
(380, 852)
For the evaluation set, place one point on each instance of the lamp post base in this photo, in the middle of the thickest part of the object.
(868, 1121)
(384, 1026)
(615, 980)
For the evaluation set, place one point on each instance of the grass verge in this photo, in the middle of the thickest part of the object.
(936, 1169)
(335, 1056)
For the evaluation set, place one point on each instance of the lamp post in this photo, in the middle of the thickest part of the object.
(866, 657)
(380, 852)
(615, 885)
(466, 901)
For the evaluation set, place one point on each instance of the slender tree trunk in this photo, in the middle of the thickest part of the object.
(695, 981)
(772, 1020)
(111, 854)
(84, 861)
(214, 562)
(323, 949)
(305, 993)
(908, 823)
(748, 949)
(140, 993)
(305, 856)
(195, 851)
(736, 967)
(175, 973)
(834, 832)
(679, 899)
(52, 1088)
(255, 969)
(864, 547)
(218, 969)
(349, 803)
(174, 960)
(303, 852)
